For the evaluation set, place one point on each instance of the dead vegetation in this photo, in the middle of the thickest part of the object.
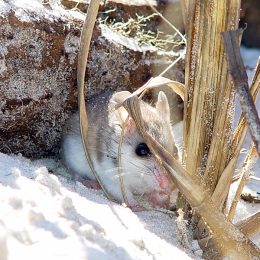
(136, 28)
(211, 148)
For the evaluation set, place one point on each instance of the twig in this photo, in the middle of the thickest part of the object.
(157, 82)
(240, 80)
(250, 198)
(173, 63)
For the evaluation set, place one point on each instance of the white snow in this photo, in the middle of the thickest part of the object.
(45, 216)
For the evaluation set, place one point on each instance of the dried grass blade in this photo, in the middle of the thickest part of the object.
(246, 171)
(251, 225)
(230, 241)
(220, 193)
(222, 188)
(184, 9)
(120, 174)
(241, 129)
(209, 95)
(173, 63)
(157, 82)
(240, 80)
(160, 81)
(85, 39)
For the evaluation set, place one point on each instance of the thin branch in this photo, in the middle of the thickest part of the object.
(240, 80)
(250, 198)
(173, 63)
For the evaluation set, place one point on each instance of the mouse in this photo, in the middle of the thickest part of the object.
(143, 177)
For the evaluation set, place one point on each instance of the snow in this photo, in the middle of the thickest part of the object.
(48, 216)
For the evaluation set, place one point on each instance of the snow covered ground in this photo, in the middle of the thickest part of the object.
(43, 216)
(47, 216)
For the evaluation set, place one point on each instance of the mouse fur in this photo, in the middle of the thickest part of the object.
(141, 173)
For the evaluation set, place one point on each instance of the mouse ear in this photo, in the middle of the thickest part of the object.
(162, 105)
(118, 98)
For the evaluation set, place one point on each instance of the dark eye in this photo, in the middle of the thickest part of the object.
(142, 149)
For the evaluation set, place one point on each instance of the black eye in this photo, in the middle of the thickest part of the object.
(142, 149)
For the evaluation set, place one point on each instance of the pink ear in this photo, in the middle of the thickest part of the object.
(162, 105)
(118, 98)
(129, 126)
(121, 115)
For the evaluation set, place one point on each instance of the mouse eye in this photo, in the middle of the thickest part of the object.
(142, 149)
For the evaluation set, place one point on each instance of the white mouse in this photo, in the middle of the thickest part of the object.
(141, 173)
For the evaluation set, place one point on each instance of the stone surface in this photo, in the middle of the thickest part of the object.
(38, 57)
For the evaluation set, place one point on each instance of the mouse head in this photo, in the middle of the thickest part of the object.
(141, 171)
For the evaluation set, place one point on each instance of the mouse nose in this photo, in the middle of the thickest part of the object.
(163, 179)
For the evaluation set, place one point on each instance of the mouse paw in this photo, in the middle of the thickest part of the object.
(91, 184)
(159, 199)
(133, 204)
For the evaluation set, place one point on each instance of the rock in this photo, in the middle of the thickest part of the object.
(38, 58)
